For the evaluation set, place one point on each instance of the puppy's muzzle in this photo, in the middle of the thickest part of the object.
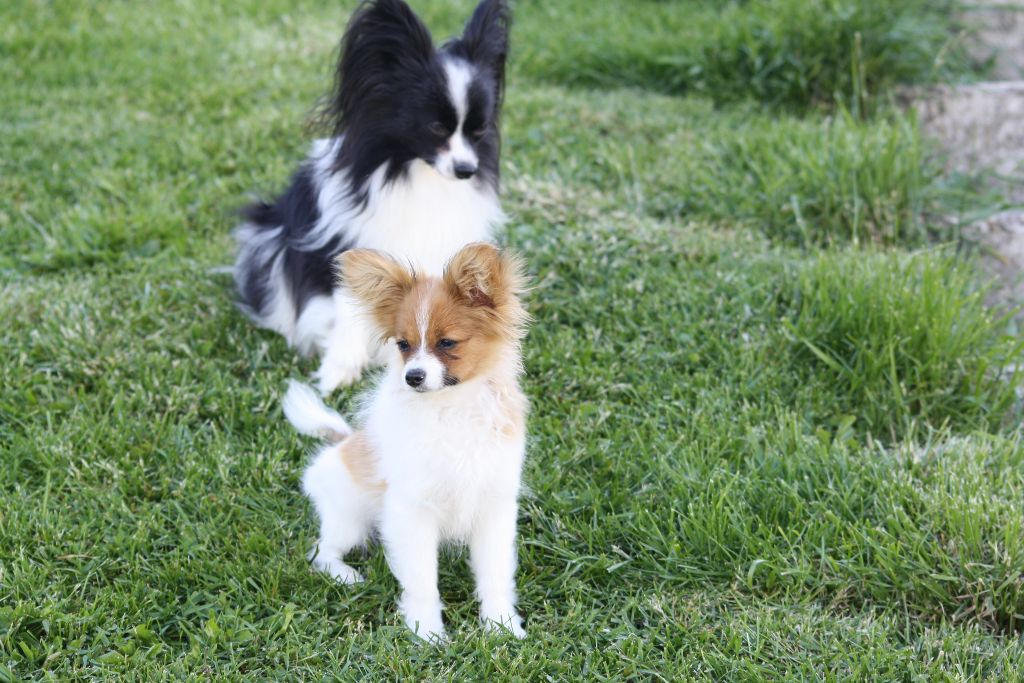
(415, 377)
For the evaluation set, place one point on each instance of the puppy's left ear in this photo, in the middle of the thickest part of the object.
(486, 37)
(484, 277)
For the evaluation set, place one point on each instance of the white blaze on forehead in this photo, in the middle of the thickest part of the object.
(459, 75)
(459, 152)
(423, 359)
(423, 312)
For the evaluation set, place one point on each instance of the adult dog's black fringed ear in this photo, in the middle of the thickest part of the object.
(485, 39)
(383, 37)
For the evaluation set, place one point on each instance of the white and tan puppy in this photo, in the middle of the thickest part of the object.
(439, 455)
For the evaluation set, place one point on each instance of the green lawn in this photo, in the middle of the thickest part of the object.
(772, 435)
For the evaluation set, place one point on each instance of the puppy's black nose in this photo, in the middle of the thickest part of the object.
(415, 377)
(463, 171)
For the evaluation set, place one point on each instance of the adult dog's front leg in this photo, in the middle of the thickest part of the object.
(348, 347)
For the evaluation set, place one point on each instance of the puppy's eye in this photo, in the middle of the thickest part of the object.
(478, 133)
(439, 129)
(403, 345)
(446, 344)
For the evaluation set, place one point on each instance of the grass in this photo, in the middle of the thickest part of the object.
(808, 181)
(793, 53)
(902, 338)
(771, 434)
(868, 181)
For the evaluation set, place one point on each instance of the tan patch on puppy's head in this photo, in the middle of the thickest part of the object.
(378, 282)
(474, 316)
(449, 329)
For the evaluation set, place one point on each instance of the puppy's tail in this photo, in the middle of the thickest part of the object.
(309, 415)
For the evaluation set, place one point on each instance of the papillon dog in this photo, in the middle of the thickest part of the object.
(411, 170)
(440, 449)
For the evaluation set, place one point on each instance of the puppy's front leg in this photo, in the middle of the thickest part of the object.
(493, 557)
(410, 536)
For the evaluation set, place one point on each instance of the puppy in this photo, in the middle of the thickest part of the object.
(411, 169)
(440, 451)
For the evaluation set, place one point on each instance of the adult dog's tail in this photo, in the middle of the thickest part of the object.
(284, 269)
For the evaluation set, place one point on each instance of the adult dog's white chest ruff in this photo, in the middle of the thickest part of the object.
(421, 218)
(425, 218)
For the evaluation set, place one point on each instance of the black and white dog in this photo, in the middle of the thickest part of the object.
(411, 170)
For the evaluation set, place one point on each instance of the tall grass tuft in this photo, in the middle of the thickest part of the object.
(820, 182)
(783, 52)
(900, 338)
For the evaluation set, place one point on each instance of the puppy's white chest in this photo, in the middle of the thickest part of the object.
(453, 450)
(460, 478)
(453, 460)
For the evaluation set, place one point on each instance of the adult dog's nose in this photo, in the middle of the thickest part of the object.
(415, 377)
(464, 170)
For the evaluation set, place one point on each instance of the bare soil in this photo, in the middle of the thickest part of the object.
(980, 128)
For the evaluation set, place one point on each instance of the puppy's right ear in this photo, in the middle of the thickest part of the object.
(378, 282)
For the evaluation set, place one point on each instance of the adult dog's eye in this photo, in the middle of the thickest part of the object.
(403, 345)
(446, 344)
(439, 129)
(478, 133)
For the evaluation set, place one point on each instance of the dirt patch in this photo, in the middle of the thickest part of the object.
(1001, 239)
(980, 128)
(999, 37)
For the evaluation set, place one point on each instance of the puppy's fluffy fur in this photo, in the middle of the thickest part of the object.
(440, 450)
(411, 169)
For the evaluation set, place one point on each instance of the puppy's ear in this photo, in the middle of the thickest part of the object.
(486, 37)
(489, 282)
(469, 275)
(377, 281)
(481, 276)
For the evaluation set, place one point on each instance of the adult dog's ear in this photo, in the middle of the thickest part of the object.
(486, 37)
(384, 45)
(378, 282)
(383, 34)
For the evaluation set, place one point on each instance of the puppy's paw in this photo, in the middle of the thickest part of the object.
(335, 568)
(342, 573)
(429, 629)
(508, 622)
(424, 619)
